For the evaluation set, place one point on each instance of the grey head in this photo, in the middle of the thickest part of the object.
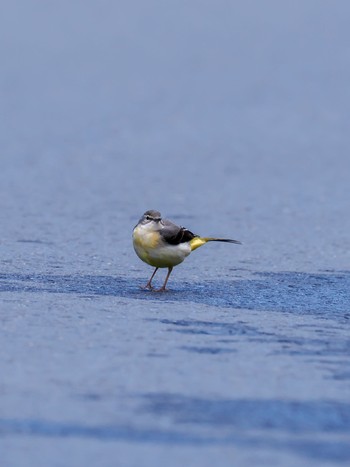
(150, 216)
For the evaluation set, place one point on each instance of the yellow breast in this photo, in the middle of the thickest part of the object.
(144, 242)
(144, 238)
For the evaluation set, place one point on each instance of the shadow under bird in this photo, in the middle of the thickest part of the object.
(163, 244)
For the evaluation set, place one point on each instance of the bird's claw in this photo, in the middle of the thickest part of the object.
(147, 286)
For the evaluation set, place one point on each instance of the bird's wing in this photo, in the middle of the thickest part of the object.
(174, 234)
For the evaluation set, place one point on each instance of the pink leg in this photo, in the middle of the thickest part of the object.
(149, 283)
(162, 289)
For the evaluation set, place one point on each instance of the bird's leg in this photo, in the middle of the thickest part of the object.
(149, 283)
(162, 289)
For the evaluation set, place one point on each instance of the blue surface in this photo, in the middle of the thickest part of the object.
(231, 118)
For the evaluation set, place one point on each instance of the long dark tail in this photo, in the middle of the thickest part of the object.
(196, 242)
(227, 240)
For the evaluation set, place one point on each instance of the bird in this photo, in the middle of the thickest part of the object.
(162, 244)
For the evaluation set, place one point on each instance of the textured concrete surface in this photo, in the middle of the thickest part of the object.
(231, 118)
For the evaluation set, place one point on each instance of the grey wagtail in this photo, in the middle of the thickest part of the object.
(163, 244)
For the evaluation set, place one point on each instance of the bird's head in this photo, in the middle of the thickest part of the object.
(150, 216)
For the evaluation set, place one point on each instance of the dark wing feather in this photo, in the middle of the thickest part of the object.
(174, 235)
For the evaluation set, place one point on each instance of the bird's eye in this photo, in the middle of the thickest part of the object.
(148, 218)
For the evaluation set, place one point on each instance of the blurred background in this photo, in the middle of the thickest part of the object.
(233, 115)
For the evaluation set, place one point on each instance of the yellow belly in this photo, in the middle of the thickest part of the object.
(152, 250)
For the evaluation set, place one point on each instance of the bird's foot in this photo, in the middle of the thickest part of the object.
(147, 286)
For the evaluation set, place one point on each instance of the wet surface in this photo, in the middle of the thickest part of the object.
(232, 121)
